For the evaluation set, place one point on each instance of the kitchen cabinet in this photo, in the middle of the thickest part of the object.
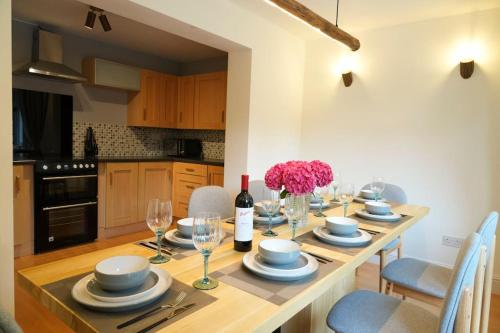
(155, 181)
(187, 178)
(110, 74)
(155, 105)
(23, 210)
(121, 194)
(185, 102)
(215, 175)
(210, 101)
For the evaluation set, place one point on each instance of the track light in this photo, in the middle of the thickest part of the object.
(89, 22)
(104, 22)
(92, 14)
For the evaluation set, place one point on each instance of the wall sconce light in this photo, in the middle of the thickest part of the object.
(345, 67)
(347, 78)
(466, 68)
(467, 52)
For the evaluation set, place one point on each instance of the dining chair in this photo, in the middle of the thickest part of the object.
(211, 199)
(428, 282)
(367, 311)
(8, 324)
(392, 193)
(256, 189)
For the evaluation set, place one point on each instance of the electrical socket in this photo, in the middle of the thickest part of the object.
(452, 241)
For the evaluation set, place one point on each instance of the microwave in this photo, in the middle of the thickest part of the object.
(191, 148)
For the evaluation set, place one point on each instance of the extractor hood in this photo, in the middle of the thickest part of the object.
(47, 59)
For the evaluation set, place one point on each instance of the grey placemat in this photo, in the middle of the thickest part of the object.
(107, 322)
(388, 225)
(276, 292)
(180, 252)
(311, 239)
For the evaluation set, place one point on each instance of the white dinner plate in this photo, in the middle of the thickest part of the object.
(82, 296)
(255, 266)
(145, 289)
(363, 200)
(315, 205)
(176, 238)
(359, 238)
(274, 220)
(392, 217)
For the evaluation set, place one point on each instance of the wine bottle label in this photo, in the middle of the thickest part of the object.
(243, 225)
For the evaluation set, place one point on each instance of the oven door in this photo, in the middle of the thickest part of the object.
(64, 225)
(67, 189)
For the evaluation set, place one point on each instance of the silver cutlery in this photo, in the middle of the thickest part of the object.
(182, 295)
(171, 315)
(318, 256)
(154, 248)
(162, 246)
(373, 232)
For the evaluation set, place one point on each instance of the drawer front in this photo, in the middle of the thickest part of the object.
(181, 209)
(190, 169)
(186, 184)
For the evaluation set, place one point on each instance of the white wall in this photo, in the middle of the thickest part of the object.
(6, 225)
(412, 119)
(269, 124)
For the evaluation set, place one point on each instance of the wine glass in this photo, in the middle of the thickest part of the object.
(159, 218)
(377, 186)
(320, 193)
(294, 211)
(346, 195)
(271, 205)
(335, 186)
(207, 234)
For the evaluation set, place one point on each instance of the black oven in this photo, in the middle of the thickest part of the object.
(65, 203)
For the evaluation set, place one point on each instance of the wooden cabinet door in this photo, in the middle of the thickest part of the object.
(167, 99)
(216, 175)
(121, 194)
(185, 102)
(23, 208)
(210, 101)
(155, 181)
(143, 106)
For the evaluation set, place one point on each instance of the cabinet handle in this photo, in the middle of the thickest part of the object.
(223, 116)
(110, 179)
(17, 184)
(190, 187)
(144, 114)
(189, 170)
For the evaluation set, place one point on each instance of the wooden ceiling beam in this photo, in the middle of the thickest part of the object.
(300, 11)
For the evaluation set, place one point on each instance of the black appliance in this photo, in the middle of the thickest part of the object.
(42, 124)
(191, 148)
(65, 203)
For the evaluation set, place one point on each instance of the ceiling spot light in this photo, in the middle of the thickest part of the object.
(90, 20)
(104, 22)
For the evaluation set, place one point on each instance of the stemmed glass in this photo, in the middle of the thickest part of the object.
(207, 234)
(320, 192)
(294, 211)
(271, 205)
(335, 186)
(377, 186)
(346, 195)
(159, 218)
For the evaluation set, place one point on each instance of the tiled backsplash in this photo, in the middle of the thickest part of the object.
(121, 140)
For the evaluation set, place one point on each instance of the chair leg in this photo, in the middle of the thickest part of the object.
(383, 259)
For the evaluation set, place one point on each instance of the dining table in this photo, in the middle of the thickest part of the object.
(235, 305)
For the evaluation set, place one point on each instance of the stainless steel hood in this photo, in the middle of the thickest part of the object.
(47, 59)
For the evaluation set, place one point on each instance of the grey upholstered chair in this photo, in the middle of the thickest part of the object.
(256, 189)
(367, 311)
(428, 282)
(211, 199)
(8, 324)
(392, 193)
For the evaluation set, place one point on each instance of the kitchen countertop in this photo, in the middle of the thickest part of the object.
(17, 161)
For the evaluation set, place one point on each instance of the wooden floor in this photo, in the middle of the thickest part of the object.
(35, 318)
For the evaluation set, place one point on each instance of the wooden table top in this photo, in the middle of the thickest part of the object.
(234, 310)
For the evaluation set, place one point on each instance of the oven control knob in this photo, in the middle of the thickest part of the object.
(75, 166)
(45, 167)
(81, 166)
(92, 165)
(58, 167)
(86, 166)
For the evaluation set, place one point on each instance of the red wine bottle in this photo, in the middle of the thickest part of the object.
(243, 224)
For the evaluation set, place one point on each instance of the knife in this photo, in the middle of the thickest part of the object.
(171, 315)
(319, 256)
(163, 247)
(153, 248)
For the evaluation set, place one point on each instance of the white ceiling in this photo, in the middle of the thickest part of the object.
(358, 15)
(69, 16)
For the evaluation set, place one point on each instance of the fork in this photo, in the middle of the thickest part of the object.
(182, 295)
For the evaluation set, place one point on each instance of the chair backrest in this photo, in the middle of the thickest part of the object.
(8, 324)
(211, 199)
(462, 277)
(487, 231)
(392, 193)
(256, 189)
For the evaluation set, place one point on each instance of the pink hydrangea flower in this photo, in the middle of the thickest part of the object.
(323, 173)
(299, 178)
(274, 177)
